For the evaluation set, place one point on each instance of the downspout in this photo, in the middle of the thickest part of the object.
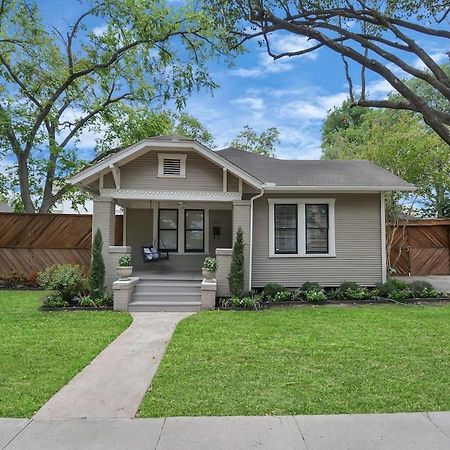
(251, 237)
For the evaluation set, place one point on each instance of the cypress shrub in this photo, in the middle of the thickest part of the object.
(97, 272)
(236, 276)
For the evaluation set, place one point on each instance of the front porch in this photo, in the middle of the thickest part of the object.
(189, 230)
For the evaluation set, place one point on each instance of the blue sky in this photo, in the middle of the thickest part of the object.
(293, 94)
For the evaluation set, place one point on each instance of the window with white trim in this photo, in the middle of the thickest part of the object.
(301, 227)
(171, 165)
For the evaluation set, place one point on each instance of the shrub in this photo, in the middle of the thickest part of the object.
(271, 289)
(244, 302)
(400, 294)
(315, 296)
(13, 279)
(349, 290)
(32, 280)
(236, 276)
(419, 286)
(67, 279)
(54, 300)
(283, 296)
(210, 264)
(389, 286)
(298, 294)
(97, 272)
(311, 286)
(87, 301)
(124, 261)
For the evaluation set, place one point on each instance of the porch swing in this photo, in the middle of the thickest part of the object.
(151, 254)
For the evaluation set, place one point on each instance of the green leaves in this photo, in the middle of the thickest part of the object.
(262, 144)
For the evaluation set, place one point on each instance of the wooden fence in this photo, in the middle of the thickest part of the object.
(31, 242)
(421, 247)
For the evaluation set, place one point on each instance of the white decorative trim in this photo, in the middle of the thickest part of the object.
(134, 151)
(136, 194)
(270, 187)
(181, 156)
(301, 229)
(383, 238)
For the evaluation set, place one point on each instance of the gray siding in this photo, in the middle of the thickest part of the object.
(139, 232)
(141, 173)
(358, 246)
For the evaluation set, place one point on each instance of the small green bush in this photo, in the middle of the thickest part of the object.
(236, 275)
(87, 301)
(67, 279)
(13, 279)
(271, 289)
(419, 286)
(210, 264)
(400, 294)
(245, 302)
(124, 261)
(311, 286)
(389, 286)
(349, 290)
(96, 279)
(315, 296)
(283, 296)
(54, 301)
(298, 294)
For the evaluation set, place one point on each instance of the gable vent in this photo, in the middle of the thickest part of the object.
(172, 167)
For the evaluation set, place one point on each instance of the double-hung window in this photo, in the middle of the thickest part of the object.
(194, 230)
(301, 227)
(168, 230)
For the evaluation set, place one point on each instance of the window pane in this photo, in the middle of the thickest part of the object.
(317, 216)
(286, 240)
(285, 216)
(317, 240)
(168, 219)
(168, 239)
(194, 240)
(194, 219)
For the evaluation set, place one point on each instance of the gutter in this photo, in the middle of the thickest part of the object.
(251, 237)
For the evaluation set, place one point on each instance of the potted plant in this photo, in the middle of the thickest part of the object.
(209, 268)
(124, 267)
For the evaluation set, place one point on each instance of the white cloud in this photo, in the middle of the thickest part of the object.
(316, 108)
(379, 88)
(247, 73)
(439, 58)
(100, 29)
(253, 103)
(288, 43)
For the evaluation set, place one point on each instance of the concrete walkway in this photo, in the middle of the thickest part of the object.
(439, 282)
(115, 382)
(417, 431)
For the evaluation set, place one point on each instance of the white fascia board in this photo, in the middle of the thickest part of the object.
(136, 150)
(354, 189)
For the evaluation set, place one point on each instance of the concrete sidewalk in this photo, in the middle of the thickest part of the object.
(415, 431)
(115, 382)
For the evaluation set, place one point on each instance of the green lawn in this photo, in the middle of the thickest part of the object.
(41, 351)
(325, 360)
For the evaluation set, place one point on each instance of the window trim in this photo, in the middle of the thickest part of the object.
(275, 229)
(169, 229)
(301, 228)
(181, 156)
(202, 250)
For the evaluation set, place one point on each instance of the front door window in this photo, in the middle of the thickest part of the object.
(194, 230)
(168, 230)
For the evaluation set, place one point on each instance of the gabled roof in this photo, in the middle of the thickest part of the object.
(170, 142)
(312, 174)
(262, 171)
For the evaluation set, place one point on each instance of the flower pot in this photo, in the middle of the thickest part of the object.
(124, 272)
(208, 275)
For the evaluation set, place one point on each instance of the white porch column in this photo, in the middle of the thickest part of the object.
(241, 218)
(104, 219)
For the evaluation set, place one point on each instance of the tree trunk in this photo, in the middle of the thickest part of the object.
(24, 177)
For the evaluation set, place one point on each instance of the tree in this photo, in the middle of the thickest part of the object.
(58, 83)
(236, 276)
(128, 125)
(383, 37)
(96, 279)
(262, 144)
(400, 142)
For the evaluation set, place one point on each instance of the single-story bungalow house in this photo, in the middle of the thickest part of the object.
(302, 220)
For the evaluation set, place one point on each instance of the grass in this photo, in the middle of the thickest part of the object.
(326, 360)
(41, 351)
